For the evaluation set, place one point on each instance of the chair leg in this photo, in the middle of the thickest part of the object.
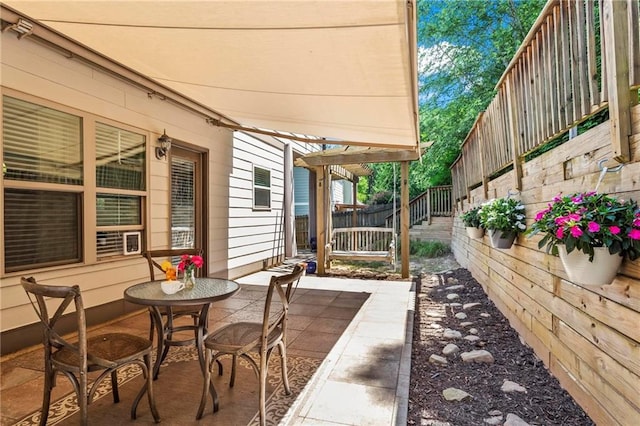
(151, 327)
(283, 359)
(83, 400)
(148, 372)
(114, 386)
(234, 362)
(205, 384)
(49, 383)
(263, 388)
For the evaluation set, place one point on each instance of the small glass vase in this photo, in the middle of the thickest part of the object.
(189, 279)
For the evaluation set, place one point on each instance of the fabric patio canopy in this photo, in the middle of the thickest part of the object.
(343, 70)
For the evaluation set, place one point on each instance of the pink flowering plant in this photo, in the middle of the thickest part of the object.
(586, 220)
(189, 262)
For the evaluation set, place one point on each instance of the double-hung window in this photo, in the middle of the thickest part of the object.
(261, 188)
(47, 157)
(43, 185)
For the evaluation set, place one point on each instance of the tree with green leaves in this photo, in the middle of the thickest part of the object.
(464, 48)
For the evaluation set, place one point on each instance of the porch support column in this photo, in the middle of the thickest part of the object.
(290, 247)
(321, 215)
(404, 217)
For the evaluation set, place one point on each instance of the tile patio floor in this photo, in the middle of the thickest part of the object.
(360, 329)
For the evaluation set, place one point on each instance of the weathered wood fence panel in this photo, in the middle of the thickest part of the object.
(579, 58)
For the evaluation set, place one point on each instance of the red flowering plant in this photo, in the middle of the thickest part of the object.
(582, 221)
(189, 262)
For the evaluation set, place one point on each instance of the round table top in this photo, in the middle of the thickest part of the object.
(205, 290)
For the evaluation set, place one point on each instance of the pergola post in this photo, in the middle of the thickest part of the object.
(404, 217)
(322, 193)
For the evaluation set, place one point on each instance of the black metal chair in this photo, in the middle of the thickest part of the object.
(106, 352)
(241, 338)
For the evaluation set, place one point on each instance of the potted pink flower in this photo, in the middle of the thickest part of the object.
(596, 225)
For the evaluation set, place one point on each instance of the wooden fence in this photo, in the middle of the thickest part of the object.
(579, 58)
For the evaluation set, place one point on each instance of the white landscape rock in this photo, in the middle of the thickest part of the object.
(509, 386)
(452, 296)
(450, 349)
(451, 334)
(461, 315)
(455, 287)
(470, 305)
(471, 338)
(437, 359)
(477, 356)
(513, 420)
(453, 394)
(466, 323)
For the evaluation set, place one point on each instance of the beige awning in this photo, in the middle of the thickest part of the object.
(344, 70)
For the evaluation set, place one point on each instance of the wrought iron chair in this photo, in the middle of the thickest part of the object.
(154, 258)
(106, 352)
(241, 338)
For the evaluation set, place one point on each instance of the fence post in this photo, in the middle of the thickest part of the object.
(513, 132)
(616, 32)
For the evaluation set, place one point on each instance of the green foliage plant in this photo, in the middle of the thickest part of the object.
(503, 214)
(428, 249)
(582, 221)
(471, 218)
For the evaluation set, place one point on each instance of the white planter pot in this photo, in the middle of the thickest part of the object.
(497, 240)
(475, 232)
(601, 271)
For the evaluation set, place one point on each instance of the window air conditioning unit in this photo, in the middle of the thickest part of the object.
(131, 243)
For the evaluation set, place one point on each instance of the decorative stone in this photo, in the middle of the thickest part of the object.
(453, 394)
(494, 413)
(461, 315)
(495, 420)
(451, 334)
(455, 304)
(452, 280)
(437, 359)
(435, 314)
(509, 386)
(477, 356)
(435, 325)
(473, 330)
(471, 338)
(452, 296)
(466, 323)
(513, 420)
(485, 315)
(470, 305)
(455, 287)
(450, 349)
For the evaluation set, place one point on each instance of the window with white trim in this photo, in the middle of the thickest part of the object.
(261, 188)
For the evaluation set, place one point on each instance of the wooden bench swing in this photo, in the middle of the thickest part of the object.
(362, 243)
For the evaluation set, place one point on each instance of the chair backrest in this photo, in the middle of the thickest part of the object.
(65, 295)
(155, 258)
(279, 294)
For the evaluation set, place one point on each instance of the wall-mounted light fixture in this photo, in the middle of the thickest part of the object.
(22, 27)
(165, 146)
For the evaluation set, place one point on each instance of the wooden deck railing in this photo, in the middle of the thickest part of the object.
(580, 57)
(435, 201)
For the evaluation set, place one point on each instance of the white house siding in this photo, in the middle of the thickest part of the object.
(37, 74)
(255, 236)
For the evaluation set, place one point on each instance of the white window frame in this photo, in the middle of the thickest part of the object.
(258, 187)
